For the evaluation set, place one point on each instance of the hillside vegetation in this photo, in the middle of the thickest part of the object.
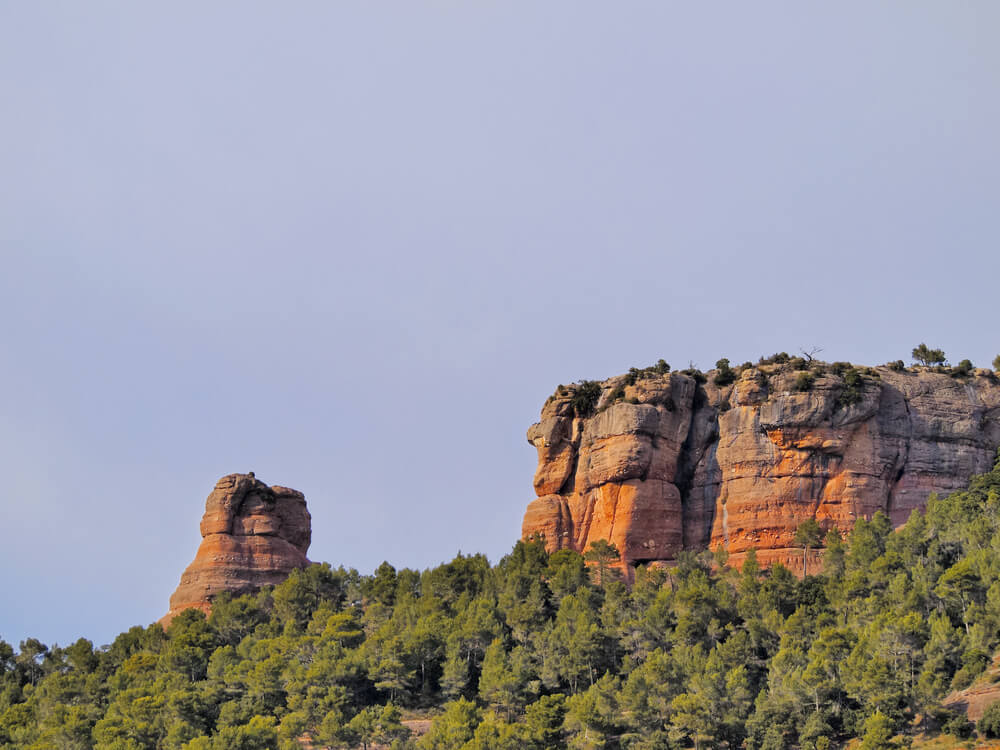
(540, 652)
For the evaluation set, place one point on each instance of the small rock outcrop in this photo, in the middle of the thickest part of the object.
(252, 536)
(975, 699)
(662, 462)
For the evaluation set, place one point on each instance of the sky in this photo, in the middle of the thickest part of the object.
(352, 247)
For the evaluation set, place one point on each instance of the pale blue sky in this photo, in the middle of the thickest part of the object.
(352, 246)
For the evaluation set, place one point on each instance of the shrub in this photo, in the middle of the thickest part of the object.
(853, 388)
(974, 661)
(725, 374)
(694, 372)
(775, 359)
(896, 365)
(937, 716)
(585, 398)
(634, 373)
(617, 394)
(839, 368)
(962, 369)
(804, 381)
(725, 378)
(958, 726)
(996, 363)
(797, 363)
(989, 723)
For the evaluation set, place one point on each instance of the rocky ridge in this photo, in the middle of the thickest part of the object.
(659, 462)
(252, 536)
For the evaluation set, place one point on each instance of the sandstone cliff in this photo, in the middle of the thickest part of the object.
(660, 462)
(252, 535)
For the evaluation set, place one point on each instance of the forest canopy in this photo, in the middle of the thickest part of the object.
(542, 651)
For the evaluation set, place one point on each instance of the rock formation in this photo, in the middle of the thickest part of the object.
(252, 535)
(665, 462)
(974, 700)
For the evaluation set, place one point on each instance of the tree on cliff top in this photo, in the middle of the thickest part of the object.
(585, 398)
(926, 356)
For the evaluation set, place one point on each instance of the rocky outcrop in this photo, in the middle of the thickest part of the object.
(663, 462)
(974, 700)
(252, 535)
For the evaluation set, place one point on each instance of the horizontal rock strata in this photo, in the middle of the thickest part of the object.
(663, 463)
(252, 536)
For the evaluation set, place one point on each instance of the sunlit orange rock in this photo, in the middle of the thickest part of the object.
(252, 536)
(665, 463)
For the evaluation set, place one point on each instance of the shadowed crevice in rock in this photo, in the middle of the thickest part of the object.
(252, 536)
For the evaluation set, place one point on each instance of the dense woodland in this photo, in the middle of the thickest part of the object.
(545, 651)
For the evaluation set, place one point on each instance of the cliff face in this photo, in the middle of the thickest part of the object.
(252, 535)
(663, 463)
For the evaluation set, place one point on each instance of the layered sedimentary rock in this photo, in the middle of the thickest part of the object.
(662, 462)
(974, 700)
(252, 536)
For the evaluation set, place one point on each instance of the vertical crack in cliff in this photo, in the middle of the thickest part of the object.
(614, 508)
(574, 440)
(697, 451)
(566, 525)
(901, 458)
(725, 522)
(685, 475)
(585, 522)
(823, 479)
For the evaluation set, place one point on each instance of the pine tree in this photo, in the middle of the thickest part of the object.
(879, 733)
(807, 536)
(604, 555)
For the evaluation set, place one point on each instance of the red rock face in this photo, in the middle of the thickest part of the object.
(665, 464)
(252, 536)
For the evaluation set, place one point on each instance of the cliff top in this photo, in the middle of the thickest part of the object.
(790, 374)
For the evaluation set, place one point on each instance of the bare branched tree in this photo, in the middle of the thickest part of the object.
(811, 353)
